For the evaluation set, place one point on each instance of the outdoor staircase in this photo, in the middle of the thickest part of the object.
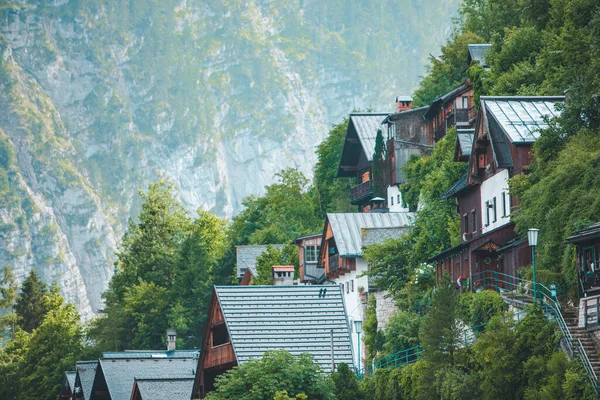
(588, 344)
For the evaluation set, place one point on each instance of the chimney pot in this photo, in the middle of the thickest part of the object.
(171, 339)
(403, 103)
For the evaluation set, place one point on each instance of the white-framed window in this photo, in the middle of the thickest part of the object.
(311, 253)
(398, 199)
(352, 287)
(392, 200)
(347, 287)
(494, 208)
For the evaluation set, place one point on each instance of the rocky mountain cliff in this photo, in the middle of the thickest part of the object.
(100, 97)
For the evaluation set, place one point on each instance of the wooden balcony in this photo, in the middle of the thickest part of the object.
(334, 263)
(340, 266)
(361, 192)
(219, 355)
(464, 116)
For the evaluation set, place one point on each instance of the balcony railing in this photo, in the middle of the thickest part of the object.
(361, 192)
(463, 116)
(439, 133)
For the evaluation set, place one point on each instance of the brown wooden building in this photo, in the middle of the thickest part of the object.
(309, 247)
(246, 321)
(587, 244)
(505, 130)
(455, 108)
(68, 386)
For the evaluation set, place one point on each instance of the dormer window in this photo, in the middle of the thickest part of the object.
(311, 253)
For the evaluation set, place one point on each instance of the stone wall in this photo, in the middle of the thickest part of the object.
(384, 310)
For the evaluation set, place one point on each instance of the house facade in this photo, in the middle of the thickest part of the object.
(455, 108)
(246, 321)
(501, 148)
(344, 237)
(309, 247)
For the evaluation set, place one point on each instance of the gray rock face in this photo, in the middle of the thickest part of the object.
(100, 98)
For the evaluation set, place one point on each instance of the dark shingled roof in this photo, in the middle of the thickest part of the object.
(298, 319)
(247, 255)
(589, 233)
(160, 389)
(477, 52)
(120, 373)
(86, 372)
(456, 187)
(379, 235)
(437, 103)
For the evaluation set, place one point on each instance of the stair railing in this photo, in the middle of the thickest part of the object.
(587, 365)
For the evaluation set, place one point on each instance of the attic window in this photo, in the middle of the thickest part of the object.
(219, 335)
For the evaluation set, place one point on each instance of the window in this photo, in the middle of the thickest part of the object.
(487, 213)
(342, 288)
(219, 335)
(494, 208)
(347, 287)
(504, 204)
(465, 102)
(589, 261)
(466, 223)
(352, 285)
(473, 215)
(311, 253)
(392, 200)
(398, 199)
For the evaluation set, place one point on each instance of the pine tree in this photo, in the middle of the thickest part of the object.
(30, 307)
(346, 384)
(380, 170)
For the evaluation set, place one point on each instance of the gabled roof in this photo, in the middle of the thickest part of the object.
(160, 389)
(300, 239)
(522, 117)
(70, 377)
(397, 116)
(246, 257)
(86, 372)
(477, 52)
(440, 101)
(68, 386)
(120, 373)
(347, 228)
(298, 319)
(367, 125)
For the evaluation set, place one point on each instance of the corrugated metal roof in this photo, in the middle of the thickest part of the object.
(366, 126)
(160, 389)
(464, 138)
(521, 117)
(247, 255)
(86, 372)
(298, 319)
(477, 52)
(347, 228)
(120, 373)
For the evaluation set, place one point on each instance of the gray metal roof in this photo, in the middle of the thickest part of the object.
(86, 372)
(366, 126)
(379, 235)
(160, 389)
(298, 319)
(151, 354)
(70, 375)
(247, 255)
(347, 228)
(464, 138)
(120, 373)
(521, 117)
(477, 52)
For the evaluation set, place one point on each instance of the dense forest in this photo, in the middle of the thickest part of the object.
(169, 259)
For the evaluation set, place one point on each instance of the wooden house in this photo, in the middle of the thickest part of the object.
(455, 108)
(309, 247)
(84, 379)
(344, 237)
(587, 245)
(246, 321)
(357, 155)
(68, 386)
(501, 148)
(117, 371)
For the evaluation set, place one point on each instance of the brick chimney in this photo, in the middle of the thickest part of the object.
(403, 103)
(171, 339)
(283, 275)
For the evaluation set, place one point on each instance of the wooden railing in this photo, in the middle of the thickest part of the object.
(219, 355)
(362, 191)
(334, 263)
(462, 116)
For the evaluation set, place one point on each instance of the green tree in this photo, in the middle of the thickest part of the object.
(53, 348)
(439, 332)
(333, 193)
(29, 307)
(346, 384)
(288, 255)
(8, 299)
(275, 371)
(380, 167)
(483, 306)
